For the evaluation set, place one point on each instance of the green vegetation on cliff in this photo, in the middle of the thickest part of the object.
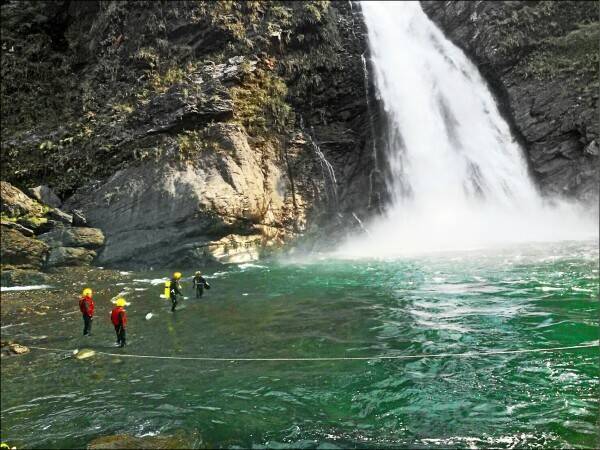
(75, 76)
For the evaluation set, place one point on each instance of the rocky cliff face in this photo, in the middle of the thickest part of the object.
(189, 130)
(196, 131)
(541, 60)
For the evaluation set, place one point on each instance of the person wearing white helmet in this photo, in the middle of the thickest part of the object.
(200, 284)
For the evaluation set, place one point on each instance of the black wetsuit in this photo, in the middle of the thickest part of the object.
(174, 293)
(87, 325)
(200, 283)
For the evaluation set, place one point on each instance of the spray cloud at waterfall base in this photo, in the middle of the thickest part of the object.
(458, 178)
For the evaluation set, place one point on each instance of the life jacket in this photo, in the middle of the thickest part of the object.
(86, 305)
(118, 316)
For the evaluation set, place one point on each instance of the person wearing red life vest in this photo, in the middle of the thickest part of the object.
(118, 317)
(86, 305)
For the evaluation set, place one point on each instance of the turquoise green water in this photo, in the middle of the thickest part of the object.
(536, 296)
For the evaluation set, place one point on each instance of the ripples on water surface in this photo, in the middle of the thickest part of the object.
(520, 298)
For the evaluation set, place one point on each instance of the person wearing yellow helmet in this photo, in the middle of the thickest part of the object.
(200, 283)
(118, 317)
(86, 305)
(175, 290)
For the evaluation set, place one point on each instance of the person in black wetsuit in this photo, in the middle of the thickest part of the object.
(175, 291)
(200, 283)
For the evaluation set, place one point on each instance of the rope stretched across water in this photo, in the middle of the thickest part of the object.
(340, 358)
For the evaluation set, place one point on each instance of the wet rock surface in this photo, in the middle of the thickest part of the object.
(9, 348)
(541, 60)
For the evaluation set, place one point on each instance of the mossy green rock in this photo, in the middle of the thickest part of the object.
(125, 441)
(14, 203)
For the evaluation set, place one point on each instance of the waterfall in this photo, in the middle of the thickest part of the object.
(458, 177)
(326, 167)
(369, 111)
(328, 172)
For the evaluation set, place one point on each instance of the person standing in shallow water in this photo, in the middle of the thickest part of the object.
(200, 283)
(86, 305)
(118, 317)
(175, 290)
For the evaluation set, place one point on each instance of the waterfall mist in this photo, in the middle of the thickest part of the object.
(458, 178)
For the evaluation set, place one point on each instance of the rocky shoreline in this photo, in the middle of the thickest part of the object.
(37, 237)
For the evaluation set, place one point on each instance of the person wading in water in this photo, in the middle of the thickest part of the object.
(86, 305)
(118, 317)
(175, 290)
(200, 283)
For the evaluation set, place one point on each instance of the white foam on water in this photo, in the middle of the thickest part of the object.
(245, 266)
(458, 178)
(153, 281)
(218, 275)
(576, 289)
(25, 288)
(13, 325)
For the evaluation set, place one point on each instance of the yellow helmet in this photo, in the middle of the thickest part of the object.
(177, 275)
(121, 302)
(198, 273)
(87, 292)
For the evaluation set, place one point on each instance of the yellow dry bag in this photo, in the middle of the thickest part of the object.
(167, 290)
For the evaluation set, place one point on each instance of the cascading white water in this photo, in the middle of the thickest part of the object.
(458, 177)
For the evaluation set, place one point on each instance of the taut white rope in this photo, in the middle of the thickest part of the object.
(341, 358)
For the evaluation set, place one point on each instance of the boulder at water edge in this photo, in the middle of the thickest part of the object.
(21, 251)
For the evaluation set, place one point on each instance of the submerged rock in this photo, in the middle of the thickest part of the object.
(84, 353)
(125, 441)
(12, 348)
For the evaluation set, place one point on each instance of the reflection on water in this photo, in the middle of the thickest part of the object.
(472, 301)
